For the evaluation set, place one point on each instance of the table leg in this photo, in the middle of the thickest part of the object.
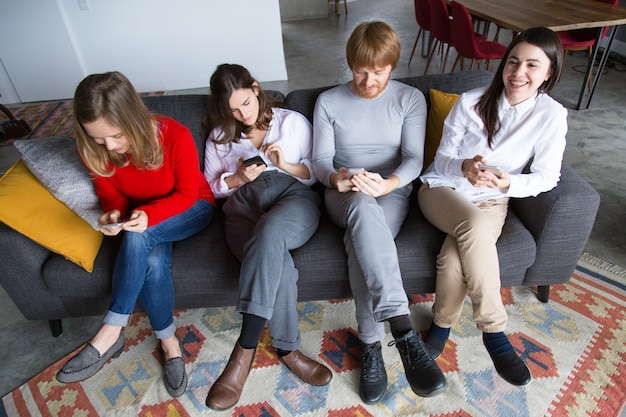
(603, 58)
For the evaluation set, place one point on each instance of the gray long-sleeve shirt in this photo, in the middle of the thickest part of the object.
(384, 134)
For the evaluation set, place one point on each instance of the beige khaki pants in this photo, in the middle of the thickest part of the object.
(468, 261)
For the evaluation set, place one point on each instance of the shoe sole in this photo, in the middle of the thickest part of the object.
(432, 393)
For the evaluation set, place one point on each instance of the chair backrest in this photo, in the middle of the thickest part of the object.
(440, 21)
(422, 13)
(462, 30)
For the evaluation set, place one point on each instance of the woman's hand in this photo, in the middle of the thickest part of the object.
(479, 178)
(244, 174)
(138, 221)
(275, 153)
(110, 217)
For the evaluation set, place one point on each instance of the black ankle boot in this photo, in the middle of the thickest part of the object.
(373, 383)
(509, 366)
(423, 374)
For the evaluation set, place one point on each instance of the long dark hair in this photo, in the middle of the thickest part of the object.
(550, 44)
(225, 80)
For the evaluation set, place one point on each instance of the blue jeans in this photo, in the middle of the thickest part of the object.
(142, 269)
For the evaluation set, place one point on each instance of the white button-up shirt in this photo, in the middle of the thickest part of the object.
(288, 129)
(534, 128)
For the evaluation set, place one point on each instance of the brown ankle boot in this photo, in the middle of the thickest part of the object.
(226, 390)
(307, 369)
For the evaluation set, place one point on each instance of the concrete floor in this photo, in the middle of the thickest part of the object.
(314, 51)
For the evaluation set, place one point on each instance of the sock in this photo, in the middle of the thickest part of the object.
(282, 353)
(440, 333)
(400, 325)
(251, 330)
(497, 344)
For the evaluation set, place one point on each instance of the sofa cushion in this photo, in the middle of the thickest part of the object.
(28, 207)
(440, 105)
(56, 164)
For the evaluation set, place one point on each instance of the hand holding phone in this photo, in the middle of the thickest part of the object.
(353, 171)
(106, 226)
(118, 224)
(491, 168)
(255, 160)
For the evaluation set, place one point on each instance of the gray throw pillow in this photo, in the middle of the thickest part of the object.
(56, 164)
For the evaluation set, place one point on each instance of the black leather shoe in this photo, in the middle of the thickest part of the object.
(512, 369)
(423, 374)
(373, 383)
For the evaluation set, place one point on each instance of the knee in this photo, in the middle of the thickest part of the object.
(476, 223)
(157, 266)
(363, 206)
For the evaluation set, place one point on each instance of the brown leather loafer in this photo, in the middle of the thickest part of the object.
(226, 390)
(307, 369)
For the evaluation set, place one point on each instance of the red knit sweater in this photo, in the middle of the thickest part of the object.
(164, 192)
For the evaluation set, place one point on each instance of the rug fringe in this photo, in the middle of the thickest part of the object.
(617, 271)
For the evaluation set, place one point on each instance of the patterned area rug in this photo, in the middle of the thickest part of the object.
(48, 118)
(575, 346)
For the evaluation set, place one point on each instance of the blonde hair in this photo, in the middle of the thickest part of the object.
(112, 97)
(373, 44)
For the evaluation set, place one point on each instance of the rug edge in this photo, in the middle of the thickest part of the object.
(617, 272)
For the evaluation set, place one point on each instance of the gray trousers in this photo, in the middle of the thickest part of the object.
(371, 226)
(265, 219)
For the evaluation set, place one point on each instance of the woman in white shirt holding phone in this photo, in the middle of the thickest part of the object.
(504, 126)
(259, 157)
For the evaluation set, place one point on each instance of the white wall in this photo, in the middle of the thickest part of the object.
(47, 47)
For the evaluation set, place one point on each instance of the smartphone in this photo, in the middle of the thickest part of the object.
(255, 160)
(106, 226)
(490, 168)
(354, 171)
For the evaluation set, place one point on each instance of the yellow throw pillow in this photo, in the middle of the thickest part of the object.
(440, 105)
(28, 207)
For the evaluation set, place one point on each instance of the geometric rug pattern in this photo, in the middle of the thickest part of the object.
(575, 347)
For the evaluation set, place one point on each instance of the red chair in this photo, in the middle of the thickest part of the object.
(582, 39)
(440, 29)
(422, 16)
(465, 40)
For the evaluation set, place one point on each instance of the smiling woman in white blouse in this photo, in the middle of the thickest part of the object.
(488, 139)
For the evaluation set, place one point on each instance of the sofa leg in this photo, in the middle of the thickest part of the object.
(543, 293)
(56, 326)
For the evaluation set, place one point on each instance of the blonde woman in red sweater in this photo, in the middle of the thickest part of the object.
(146, 173)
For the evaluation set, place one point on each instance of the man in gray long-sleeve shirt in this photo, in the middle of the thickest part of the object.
(368, 146)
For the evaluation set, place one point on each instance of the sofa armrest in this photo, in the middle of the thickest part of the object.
(21, 265)
(560, 220)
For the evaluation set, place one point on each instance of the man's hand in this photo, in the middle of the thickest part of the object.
(341, 180)
(371, 183)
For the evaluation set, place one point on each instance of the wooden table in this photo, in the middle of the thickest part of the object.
(558, 15)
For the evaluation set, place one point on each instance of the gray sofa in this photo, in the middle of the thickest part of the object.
(541, 242)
